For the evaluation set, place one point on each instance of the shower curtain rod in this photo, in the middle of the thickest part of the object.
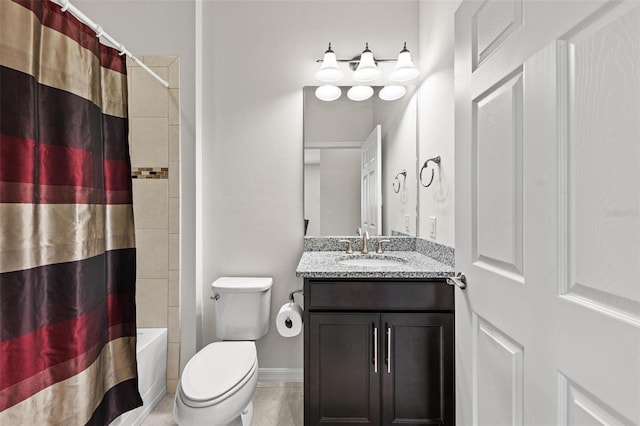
(66, 6)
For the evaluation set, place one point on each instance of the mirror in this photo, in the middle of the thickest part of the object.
(334, 133)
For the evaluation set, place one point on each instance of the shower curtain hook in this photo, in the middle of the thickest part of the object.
(123, 50)
(65, 5)
(99, 31)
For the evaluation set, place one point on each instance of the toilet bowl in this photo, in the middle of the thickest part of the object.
(217, 385)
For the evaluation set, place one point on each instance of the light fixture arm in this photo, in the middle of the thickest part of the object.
(356, 60)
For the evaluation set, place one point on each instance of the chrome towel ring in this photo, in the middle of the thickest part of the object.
(424, 166)
(397, 180)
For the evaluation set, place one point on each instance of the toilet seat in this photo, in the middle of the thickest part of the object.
(217, 371)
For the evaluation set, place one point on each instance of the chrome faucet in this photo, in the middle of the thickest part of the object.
(380, 250)
(365, 242)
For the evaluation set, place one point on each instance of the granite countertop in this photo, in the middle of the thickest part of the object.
(324, 264)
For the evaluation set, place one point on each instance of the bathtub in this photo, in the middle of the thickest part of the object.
(151, 351)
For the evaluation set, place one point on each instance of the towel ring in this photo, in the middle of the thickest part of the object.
(424, 166)
(403, 173)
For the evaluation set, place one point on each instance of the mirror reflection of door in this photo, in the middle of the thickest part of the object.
(333, 135)
(371, 189)
(332, 188)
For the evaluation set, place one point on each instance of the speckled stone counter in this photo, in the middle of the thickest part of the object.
(418, 259)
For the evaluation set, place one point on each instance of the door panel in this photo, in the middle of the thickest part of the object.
(497, 191)
(602, 206)
(492, 24)
(371, 172)
(547, 213)
(417, 377)
(344, 388)
(499, 376)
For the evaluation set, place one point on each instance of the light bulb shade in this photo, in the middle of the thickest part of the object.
(392, 93)
(360, 93)
(404, 70)
(367, 69)
(329, 71)
(328, 93)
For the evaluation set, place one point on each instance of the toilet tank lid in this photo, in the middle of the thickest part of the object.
(242, 284)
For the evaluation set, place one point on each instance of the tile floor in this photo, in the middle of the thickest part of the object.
(274, 404)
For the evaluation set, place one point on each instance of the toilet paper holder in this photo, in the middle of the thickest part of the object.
(288, 323)
(294, 292)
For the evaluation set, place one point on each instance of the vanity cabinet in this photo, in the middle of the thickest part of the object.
(379, 352)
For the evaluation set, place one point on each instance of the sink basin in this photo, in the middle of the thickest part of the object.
(371, 261)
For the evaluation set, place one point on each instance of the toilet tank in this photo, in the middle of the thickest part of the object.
(242, 306)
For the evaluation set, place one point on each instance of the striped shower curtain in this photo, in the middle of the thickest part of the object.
(67, 243)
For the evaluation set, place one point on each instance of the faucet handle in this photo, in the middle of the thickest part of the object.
(349, 246)
(379, 250)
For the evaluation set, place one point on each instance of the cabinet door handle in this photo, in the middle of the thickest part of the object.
(375, 349)
(387, 351)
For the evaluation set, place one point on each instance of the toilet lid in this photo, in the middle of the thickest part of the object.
(216, 369)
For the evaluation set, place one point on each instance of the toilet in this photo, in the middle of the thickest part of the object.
(217, 384)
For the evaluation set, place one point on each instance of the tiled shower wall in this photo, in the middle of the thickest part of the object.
(154, 137)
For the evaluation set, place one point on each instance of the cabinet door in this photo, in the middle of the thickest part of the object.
(417, 372)
(343, 387)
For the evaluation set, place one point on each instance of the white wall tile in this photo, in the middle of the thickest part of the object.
(174, 143)
(174, 179)
(150, 97)
(149, 142)
(173, 361)
(174, 288)
(152, 253)
(173, 324)
(174, 215)
(151, 302)
(151, 203)
(174, 74)
(174, 252)
(174, 106)
(172, 385)
(154, 61)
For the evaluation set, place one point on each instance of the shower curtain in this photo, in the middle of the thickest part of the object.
(67, 243)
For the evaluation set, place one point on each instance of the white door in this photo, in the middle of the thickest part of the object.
(371, 185)
(548, 212)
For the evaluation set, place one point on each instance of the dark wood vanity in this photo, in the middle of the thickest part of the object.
(378, 351)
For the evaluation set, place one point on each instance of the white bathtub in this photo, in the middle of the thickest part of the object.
(152, 374)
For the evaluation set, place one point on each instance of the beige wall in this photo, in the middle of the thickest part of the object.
(258, 55)
(154, 135)
(436, 125)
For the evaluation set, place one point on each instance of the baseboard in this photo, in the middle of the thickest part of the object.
(280, 374)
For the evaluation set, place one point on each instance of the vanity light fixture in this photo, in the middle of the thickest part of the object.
(328, 92)
(329, 71)
(392, 93)
(360, 93)
(404, 70)
(365, 70)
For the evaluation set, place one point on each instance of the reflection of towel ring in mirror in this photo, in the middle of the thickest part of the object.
(399, 184)
(424, 166)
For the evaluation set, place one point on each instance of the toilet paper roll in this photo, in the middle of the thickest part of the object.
(289, 320)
